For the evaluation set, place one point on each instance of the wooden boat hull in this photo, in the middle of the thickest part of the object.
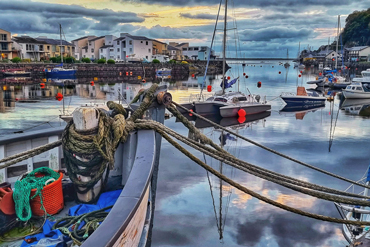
(303, 100)
(21, 74)
(249, 108)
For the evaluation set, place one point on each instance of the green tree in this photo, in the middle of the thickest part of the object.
(111, 61)
(172, 61)
(101, 60)
(86, 60)
(357, 29)
(16, 60)
(70, 59)
(156, 61)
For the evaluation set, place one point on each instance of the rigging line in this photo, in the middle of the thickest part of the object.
(335, 124)
(210, 51)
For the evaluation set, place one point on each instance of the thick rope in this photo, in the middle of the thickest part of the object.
(29, 154)
(276, 178)
(271, 150)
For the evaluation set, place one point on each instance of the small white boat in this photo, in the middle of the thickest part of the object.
(356, 234)
(365, 77)
(357, 90)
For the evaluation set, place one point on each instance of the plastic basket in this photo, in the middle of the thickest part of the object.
(52, 198)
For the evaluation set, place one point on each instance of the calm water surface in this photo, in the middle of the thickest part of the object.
(194, 208)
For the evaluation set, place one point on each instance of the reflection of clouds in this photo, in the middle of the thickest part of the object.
(296, 201)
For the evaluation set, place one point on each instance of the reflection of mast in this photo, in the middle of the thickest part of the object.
(286, 75)
(332, 129)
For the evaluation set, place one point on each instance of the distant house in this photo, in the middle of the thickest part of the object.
(108, 51)
(159, 48)
(92, 49)
(133, 47)
(29, 48)
(174, 53)
(357, 53)
(52, 47)
(5, 45)
(196, 52)
(81, 43)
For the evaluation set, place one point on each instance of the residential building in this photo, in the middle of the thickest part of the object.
(129, 47)
(159, 48)
(192, 52)
(5, 45)
(107, 51)
(174, 53)
(52, 47)
(357, 53)
(92, 49)
(29, 48)
(204, 52)
(81, 43)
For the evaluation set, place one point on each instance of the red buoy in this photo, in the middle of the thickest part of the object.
(339, 71)
(143, 80)
(241, 120)
(299, 75)
(209, 88)
(246, 76)
(59, 96)
(92, 83)
(42, 85)
(190, 113)
(300, 71)
(126, 73)
(192, 75)
(228, 77)
(16, 99)
(241, 113)
(320, 74)
(279, 72)
(259, 84)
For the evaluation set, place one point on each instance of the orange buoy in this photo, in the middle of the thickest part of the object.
(59, 96)
(209, 88)
(241, 120)
(92, 83)
(143, 80)
(120, 73)
(130, 72)
(259, 84)
(42, 85)
(279, 72)
(332, 73)
(241, 113)
(320, 74)
(190, 113)
(192, 75)
(228, 77)
(299, 75)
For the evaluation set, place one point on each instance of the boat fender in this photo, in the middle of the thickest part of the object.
(258, 98)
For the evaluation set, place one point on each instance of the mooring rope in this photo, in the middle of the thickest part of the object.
(271, 150)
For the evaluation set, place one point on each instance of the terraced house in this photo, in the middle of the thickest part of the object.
(29, 48)
(5, 45)
(52, 47)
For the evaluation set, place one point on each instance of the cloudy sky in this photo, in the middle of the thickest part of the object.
(265, 28)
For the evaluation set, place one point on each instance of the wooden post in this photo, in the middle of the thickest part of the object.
(86, 118)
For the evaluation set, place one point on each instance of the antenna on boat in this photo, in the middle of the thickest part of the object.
(224, 50)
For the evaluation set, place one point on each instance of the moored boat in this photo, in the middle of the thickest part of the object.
(302, 97)
(16, 72)
(357, 90)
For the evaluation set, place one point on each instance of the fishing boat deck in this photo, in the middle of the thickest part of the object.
(363, 241)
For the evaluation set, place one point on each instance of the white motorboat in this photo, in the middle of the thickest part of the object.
(302, 97)
(357, 90)
(365, 77)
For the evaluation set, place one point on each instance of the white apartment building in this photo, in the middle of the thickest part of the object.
(28, 47)
(92, 49)
(79, 44)
(107, 50)
(128, 47)
(195, 52)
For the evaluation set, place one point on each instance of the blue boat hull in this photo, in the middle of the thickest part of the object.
(61, 73)
(295, 100)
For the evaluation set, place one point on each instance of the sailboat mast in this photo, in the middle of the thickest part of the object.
(336, 59)
(224, 50)
(60, 31)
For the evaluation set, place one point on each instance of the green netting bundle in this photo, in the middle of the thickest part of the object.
(22, 190)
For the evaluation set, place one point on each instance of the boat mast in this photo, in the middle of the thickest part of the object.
(224, 50)
(60, 31)
(336, 59)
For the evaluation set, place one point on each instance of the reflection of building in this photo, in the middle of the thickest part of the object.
(7, 98)
(5, 45)
(118, 91)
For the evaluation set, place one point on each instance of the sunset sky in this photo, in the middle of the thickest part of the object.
(265, 28)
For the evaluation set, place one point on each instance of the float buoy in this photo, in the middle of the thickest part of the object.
(241, 113)
(190, 114)
(42, 85)
(259, 84)
(209, 88)
(228, 77)
(92, 83)
(299, 75)
(241, 120)
(320, 74)
(279, 72)
(246, 76)
(59, 96)
(192, 75)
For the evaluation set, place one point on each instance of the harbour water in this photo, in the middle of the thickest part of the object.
(194, 208)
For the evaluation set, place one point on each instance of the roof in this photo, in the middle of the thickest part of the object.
(181, 44)
(27, 39)
(357, 48)
(83, 38)
(53, 41)
(106, 46)
(170, 48)
(159, 41)
(120, 38)
(85, 47)
(5, 30)
(101, 37)
(134, 37)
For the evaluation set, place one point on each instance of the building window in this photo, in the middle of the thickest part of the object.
(92, 49)
(118, 50)
(146, 57)
(196, 48)
(124, 44)
(184, 49)
(41, 47)
(141, 41)
(130, 42)
(48, 47)
(4, 47)
(149, 50)
(3, 37)
(117, 42)
(130, 49)
(111, 56)
(101, 50)
(92, 56)
(89, 43)
(118, 57)
(147, 43)
(111, 49)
